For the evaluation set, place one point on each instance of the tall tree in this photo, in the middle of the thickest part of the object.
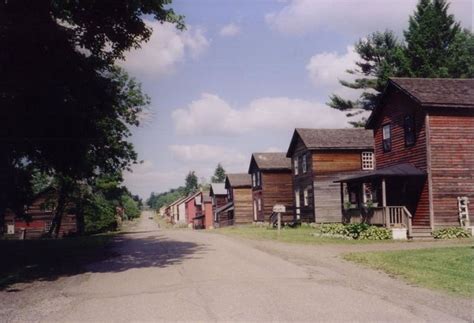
(191, 183)
(66, 109)
(219, 174)
(434, 46)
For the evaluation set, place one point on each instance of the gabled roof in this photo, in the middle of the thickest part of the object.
(218, 189)
(332, 139)
(238, 180)
(191, 196)
(270, 161)
(178, 201)
(431, 93)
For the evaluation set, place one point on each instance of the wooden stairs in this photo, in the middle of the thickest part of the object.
(421, 233)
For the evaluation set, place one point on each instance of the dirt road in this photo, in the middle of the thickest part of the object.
(183, 275)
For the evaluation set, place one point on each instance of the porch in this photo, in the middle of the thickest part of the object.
(387, 197)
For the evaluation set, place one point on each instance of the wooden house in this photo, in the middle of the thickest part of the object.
(38, 218)
(238, 210)
(271, 184)
(424, 156)
(175, 209)
(319, 157)
(207, 211)
(218, 195)
(191, 208)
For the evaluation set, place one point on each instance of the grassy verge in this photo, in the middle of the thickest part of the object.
(29, 260)
(445, 269)
(300, 235)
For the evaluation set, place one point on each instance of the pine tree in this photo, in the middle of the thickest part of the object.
(219, 174)
(191, 183)
(434, 46)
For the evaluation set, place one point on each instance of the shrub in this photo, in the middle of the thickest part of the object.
(451, 233)
(99, 215)
(360, 231)
(375, 233)
(132, 210)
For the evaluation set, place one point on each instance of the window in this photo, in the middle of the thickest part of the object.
(259, 204)
(296, 162)
(304, 165)
(297, 203)
(387, 138)
(254, 183)
(409, 126)
(367, 160)
(259, 179)
(305, 196)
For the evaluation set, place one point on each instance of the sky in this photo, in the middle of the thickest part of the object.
(243, 75)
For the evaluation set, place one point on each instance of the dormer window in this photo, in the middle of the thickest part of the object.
(296, 162)
(259, 179)
(387, 138)
(304, 163)
(409, 127)
(367, 160)
(254, 180)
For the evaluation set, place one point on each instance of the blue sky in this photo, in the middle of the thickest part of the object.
(243, 75)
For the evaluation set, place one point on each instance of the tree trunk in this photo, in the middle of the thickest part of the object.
(58, 216)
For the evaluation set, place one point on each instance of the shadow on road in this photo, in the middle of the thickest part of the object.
(48, 260)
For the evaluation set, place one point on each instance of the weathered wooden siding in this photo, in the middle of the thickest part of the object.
(452, 164)
(243, 209)
(303, 181)
(397, 106)
(328, 166)
(277, 188)
(208, 215)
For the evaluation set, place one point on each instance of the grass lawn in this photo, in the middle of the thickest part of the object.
(301, 235)
(447, 269)
(28, 260)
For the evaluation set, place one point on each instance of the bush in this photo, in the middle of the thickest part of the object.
(359, 231)
(99, 215)
(130, 206)
(451, 233)
(375, 233)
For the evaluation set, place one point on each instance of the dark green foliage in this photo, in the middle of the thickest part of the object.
(359, 231)
(156, 201)
(191, 183)
(130, 206)
(67, 112)
(434, 46)
(99, 215)
(451, 233)
(219, 174)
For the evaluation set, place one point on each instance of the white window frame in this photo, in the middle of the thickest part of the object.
(259, 179)
(367, 160)
(296, 162)
(386, 131)
(306, 197)
(254, 181)
(304, 164)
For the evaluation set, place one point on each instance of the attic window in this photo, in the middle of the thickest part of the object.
(254, 181)
(367, 160)
(296, 162)
(387, 138)
(409, 126)
(304, 164)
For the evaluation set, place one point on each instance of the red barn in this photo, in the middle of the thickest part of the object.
(424, 152)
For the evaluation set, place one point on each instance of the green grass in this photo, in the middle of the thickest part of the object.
(28, 260)
(300, 235)
(446, 269)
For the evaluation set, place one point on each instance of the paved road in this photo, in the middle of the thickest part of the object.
(181, 275)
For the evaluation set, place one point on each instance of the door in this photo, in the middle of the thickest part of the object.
(297, 204)
(255, 210)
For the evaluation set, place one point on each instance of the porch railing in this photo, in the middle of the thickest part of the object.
(398, 216)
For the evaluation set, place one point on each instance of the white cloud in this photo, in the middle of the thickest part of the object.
(211, 115)
(359, 17)
(207, 154)
(166, 48)
(229, 30)
(327, 68)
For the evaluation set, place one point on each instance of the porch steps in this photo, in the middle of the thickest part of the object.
(421, 233)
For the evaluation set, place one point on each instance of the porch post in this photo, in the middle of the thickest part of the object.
(342, 197)
(384, 203)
